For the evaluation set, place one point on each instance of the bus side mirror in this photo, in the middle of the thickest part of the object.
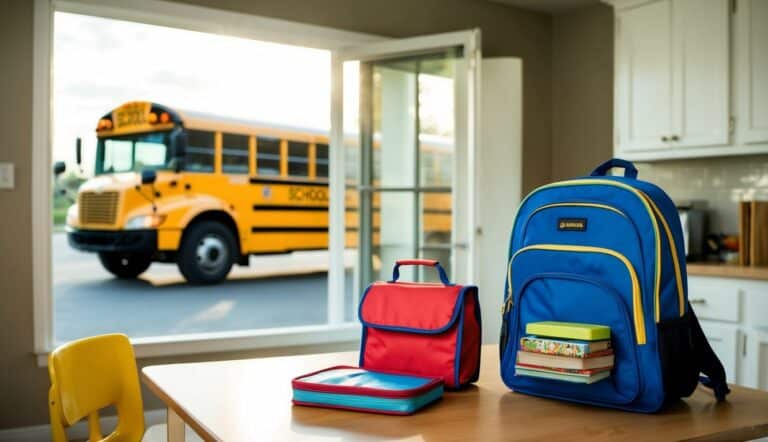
(148, 177)
(79, 151)
(59, 167)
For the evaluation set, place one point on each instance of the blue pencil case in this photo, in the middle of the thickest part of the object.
(352, 388)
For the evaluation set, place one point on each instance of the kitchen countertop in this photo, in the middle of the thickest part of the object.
(728, 271)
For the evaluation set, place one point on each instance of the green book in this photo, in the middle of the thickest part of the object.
(569, 330)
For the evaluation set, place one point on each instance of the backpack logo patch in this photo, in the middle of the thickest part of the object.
(572, 224)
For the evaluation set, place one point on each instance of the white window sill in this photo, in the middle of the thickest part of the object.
(196, 343)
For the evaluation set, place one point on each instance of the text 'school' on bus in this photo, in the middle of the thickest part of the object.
(206, 192)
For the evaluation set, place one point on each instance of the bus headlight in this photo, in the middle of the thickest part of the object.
(73, 215)
(144, 222)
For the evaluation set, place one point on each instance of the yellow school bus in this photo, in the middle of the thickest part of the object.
(206, 192)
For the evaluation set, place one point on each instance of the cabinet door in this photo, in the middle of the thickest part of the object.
(700, 69)
(724, 341)
(751, 60)
(644, 76)
(755, 360)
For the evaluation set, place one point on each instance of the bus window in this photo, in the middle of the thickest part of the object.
(351, 163)
(321, 160)
(234, 156)
(445, 164)
(267, 156)
(298, 159)
(429, 176)
(199, 156)
(118, 156)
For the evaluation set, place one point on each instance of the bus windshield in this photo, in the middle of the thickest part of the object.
(133, 153)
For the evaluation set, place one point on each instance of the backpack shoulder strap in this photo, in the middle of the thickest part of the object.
(707, 360)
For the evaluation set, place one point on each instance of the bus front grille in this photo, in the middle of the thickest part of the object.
(98, 208)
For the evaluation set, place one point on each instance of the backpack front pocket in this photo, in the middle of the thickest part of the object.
(563, 294)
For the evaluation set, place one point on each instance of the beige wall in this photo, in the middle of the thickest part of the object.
(506, 31)
(582, 91)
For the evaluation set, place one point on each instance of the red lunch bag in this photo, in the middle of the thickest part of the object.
(427, 329)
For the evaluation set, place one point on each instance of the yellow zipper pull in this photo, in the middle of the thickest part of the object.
(507, 307)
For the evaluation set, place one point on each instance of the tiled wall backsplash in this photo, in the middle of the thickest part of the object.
(722, 182)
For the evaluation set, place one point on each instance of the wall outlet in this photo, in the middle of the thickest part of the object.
(6, 176)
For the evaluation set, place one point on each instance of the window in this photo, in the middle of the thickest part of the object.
(118, 156)
(298, 159)
(321, 160)
(233, 88)
(234, 157)
(200, 152)
(132, 153)
(267, 156)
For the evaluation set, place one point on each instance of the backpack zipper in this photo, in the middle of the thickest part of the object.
(508, 301)
(577, 204)
(673, 250)
(637, 303)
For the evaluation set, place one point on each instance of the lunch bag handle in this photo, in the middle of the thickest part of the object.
(630, 171)
(420, 262)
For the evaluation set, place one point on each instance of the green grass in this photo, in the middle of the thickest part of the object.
(59, 216)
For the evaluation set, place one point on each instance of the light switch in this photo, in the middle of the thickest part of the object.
(6, 176)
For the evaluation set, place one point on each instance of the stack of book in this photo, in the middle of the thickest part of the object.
(566, 351)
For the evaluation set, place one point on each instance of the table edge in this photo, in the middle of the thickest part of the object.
(199, 428)
(744, 433)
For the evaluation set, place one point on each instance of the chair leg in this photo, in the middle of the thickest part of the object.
(175, 427)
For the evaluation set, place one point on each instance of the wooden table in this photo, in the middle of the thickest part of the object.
(248, 400)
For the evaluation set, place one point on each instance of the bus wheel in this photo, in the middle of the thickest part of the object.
(207, 253)
(125, 265)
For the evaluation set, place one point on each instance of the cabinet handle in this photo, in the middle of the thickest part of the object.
(744, 346)
(700, 301)
(664, 138)
(675, 138)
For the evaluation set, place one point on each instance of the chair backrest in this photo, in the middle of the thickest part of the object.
(90, 374)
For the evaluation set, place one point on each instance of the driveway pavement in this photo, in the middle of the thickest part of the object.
(88, 300)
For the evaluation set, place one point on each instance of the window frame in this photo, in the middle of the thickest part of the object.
(183, 16)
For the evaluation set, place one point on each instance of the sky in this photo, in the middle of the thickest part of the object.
(101, 63)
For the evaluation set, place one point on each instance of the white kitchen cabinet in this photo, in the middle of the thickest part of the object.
(700, 72)
(672, 75)
(756, 359)
(751, 63)
(734, 317)
(690, 78)
(644, 76)
(724, 340)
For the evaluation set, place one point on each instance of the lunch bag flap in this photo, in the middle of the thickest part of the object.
(425, 329)
(404, 307)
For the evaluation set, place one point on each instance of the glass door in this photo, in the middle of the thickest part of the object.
(403, 137)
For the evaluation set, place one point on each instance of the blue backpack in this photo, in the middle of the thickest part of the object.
(607, 250)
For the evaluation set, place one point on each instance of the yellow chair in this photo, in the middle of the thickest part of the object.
(88, 375)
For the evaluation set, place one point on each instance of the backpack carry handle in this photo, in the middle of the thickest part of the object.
(420, 262)
(630, 171)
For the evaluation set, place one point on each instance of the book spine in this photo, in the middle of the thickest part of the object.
(552, 347)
